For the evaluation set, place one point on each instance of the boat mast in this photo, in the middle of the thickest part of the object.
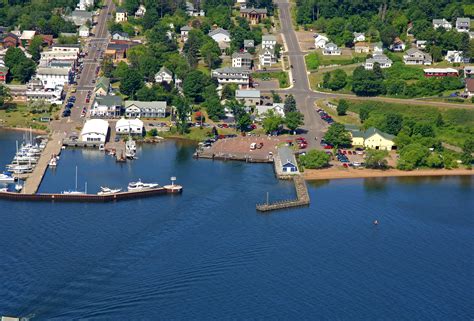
(76, 179)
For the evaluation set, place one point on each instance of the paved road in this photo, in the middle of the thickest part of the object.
(91, 62)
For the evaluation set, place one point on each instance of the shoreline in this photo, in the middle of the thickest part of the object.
(332, 173)
(22, 129)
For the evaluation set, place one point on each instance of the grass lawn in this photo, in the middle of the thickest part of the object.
(316, 78)
(350, 118)
(22, 116)
(197, 133)
(281, 76)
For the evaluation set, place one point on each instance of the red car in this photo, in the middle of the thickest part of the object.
(328, 147)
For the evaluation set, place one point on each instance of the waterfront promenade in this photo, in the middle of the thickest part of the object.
(53, 147)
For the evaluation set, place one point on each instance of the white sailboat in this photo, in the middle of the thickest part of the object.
(6, 178)
(75, 191)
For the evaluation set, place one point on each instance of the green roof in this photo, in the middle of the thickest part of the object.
(372, 131)
(102, 82)
(109, 100)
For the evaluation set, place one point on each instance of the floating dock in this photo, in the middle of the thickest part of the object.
(302, 198)
(91, 198)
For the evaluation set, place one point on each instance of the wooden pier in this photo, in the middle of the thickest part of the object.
(53, 147)
(90, 198)
(302, 198)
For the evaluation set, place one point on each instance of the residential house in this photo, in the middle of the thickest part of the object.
(192, 11)
(454, 56)
(117, 35)
(80, 17)
(442, 23)
(382, 60)
(84, 31)
(320, 41)
(332, 49)
(10, 40)
(287, 161)
(266, 57)
(222, 37)
(145, 109)
(242, 60)
(52, 77)
(372, 138)
(129, 127)
(269, 41)
(85, 4)
(17, 92)
(463, 24)
(358, 37)
(121, 15)
(95, 130)
(377, 48)
(118, 51)
(26, 37)
(164, 75)
(140, 13)
(249, 97)
(3, 74)
(252, 15)
(230, 75)
(102, 86)
(185, 33)
(362, 47)
(398, 45)
(469, 72)
(441, 72)
(415, 56)
(421, 44)
(36, 91)
(263, 110)
(469, 87)
(106, 106)
(249, 45)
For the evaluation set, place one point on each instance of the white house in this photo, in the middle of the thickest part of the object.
(415, 56)
(83, 31)
(230, 75)
(52, 77)
(249, 97)
(242, 60)
(117, 35)
(269, 41)
(320, 41)
(287, 160)
(332, 49)
(192, 11)
(52, 96)
(398, 45)
(382, 60)
(85, 4)
(129, 126)
(454, 56)
(248, 44)
(358, 36)
(164, 75)
(421, 44)
(220, 35)
(121, 15)
(106, 106)
(437, 23)
(262, 110)
(95, 130)
(185, 33)
(463, 24)
(145, 109)
(266, 57)
(140, 13)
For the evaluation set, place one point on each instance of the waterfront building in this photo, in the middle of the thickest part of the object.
(371, 138)
(107, 106)
(145, 109)
(287, 162)
(52, 77)
(95, 130)
(129, 126)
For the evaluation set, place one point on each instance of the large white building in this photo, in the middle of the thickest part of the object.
(145, 109)
(95, 130)
(229, 75)
(52, 77)
(129, 126)
(66, 48)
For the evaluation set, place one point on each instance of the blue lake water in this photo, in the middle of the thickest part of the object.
(207, 254)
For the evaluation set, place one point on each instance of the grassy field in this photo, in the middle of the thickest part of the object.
(281, 76)
(22, 116)
(459, 123)
(316, 78)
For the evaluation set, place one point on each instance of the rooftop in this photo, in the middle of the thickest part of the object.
(217, 31)
(252, 93)
(109, 100)
(98, 126)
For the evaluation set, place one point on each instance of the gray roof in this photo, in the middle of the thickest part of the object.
(252, 93)
(122, 34)
(186, 28)
(439, 21)
(244, 55)
(463, 20)
(381, 59)
(109, 100)
(286, 155)
(232, 70)
(146, 104)
(249, 43)
(256, 10)
(52, 71)
(217, 31)
(81, 14)
(121, 10)
(73, 45)
(166, 70)
(269, 38)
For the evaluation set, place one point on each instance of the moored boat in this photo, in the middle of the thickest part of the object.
(140, 186)
(108, 191)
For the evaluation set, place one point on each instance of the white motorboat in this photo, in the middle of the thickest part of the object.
(20, 169)
(3, 189)
(53, 162)
(108, 191)
(18, 187)
(6, 178)
(140, 186)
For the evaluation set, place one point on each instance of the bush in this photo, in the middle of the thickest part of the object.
(315, 159)
(312, 61)
(342, 107)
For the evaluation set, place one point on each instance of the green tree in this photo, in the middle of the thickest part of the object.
(376, 159)
(367, 82)
(183, 109)
(423, 129)
(290, 104)
(35, 48)
(315, 159)
(467, 150)
(214, 108)
(412, 156)
(393, 123)
(243, 122)
(4, 96)
(131, 83)
(293, 120)
(107, 67)
(276, 97)
(435, 160)
(121, 70)
(210, 52)
(337, 80)
(194, 84)
(272, 122)
(342, 107)
(338, 136)
(228, 91)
